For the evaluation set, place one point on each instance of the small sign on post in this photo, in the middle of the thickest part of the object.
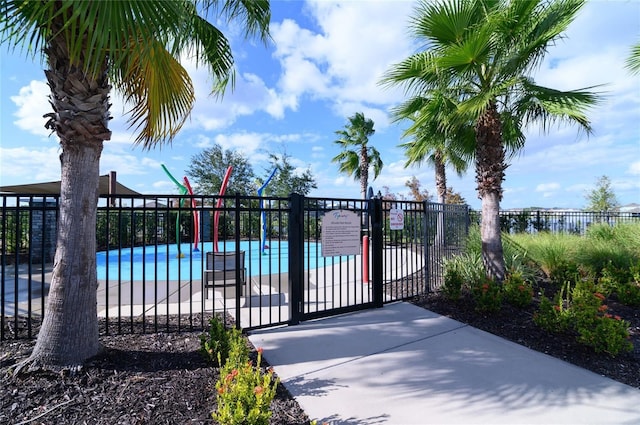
(340, 233)
(396, 219)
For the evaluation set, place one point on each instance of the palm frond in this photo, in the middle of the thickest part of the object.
(140, 42)
(633, 62)
(548, 106)
(212, 48)
(416, 74)
(253, 16)
(159, 89)
(442, 23)
(531, 28)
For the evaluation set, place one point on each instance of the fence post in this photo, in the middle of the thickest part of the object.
(296, 257)
(377, 245)
(428, 254)
(238, 266)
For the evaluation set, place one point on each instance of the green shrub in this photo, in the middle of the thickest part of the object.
(468, 266)
(244, 391)
(584, 312)
(453, 280)
(597, 328)
(601, 231)
(564, 271)
(608, 334)
(217, 343)
(555, 316)
(629, 294)
(611, 277)
(517, 291)
(522, 265)
(487, 296)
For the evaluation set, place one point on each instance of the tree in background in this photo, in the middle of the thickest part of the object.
(288, 179)
(432, 141)
(357, 156)
(417, 193)
(602, 198)
(481, 53)
(89, 48)
(454, 198)
(207, 170)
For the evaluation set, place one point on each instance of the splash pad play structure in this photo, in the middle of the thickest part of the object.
(185, 190)
(255, 272)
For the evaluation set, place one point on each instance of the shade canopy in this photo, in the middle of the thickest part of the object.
(53, 188)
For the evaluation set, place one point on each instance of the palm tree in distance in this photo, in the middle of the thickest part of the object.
(357, 156)
(89, 47)
(482, 52)
(430, 141)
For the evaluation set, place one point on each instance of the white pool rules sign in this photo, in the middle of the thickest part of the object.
(396, 219)
(340, 233)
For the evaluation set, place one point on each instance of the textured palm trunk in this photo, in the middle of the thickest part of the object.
(69, 332)
(364, 172)
(490, 168)
(441, 188)
(441, 177)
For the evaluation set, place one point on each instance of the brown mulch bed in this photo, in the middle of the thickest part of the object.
(163, 379)
(159, 378)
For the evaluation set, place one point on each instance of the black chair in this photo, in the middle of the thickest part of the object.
(221, 272)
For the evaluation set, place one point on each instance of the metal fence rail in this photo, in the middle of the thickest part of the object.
(573, 222)
(151, 256)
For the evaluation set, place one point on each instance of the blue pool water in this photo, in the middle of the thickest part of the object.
(162, 262)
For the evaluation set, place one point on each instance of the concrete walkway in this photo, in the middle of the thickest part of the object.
(402, 364)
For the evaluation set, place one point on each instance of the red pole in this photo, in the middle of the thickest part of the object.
(216, 214)
(365, 259)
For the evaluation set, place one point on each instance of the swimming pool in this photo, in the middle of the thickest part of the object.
(162, 262)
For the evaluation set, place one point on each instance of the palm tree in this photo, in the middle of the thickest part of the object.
(90, 46)
(357, 156)
(482, 52)
(431, 142)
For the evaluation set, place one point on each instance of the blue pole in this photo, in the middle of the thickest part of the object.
(263, 215)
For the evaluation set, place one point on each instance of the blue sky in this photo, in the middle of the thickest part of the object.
(322, 67)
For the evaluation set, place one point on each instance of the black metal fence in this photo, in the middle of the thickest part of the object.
(151, 253)
(574, 222)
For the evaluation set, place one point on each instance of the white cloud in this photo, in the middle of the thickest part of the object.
(33, 102)
(25, 165)
(128, 164)
(634, 168)
(250, 95)
(548, 189)
(246, 143)
(344, 61)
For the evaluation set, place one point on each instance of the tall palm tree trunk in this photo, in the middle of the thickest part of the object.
(490, 166)
(441, 188)
(441, 177)
(364, 171)
(69, 332)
